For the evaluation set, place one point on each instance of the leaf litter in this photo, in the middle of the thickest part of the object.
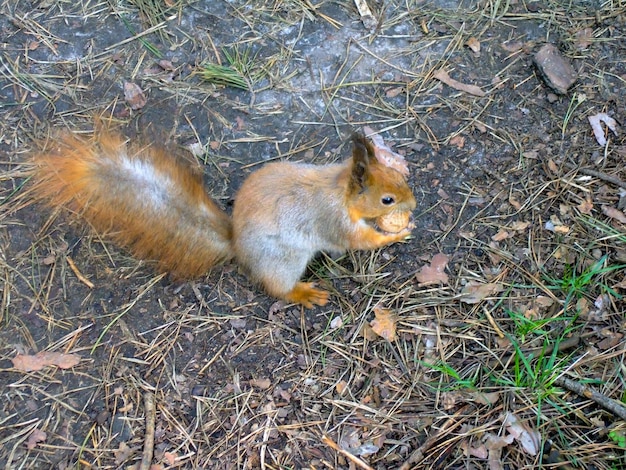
(241, 380)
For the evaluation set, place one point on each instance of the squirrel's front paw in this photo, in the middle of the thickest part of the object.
(304, 293)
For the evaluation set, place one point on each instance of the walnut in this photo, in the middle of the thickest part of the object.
(394, 222)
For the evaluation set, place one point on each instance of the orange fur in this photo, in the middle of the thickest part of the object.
(141, 197)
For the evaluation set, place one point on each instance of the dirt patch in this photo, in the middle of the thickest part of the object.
(487, 370)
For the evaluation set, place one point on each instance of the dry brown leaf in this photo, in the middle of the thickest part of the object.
(556, 226)
(384, 324)
(612, 339)
(393, 92)
(584, 37)
(475, 292)
(544, 301)
(444, 77)
(35, 437)
(515, 203)
(170, 457)
(614, 213)
(122, 453)
(134, 96)
(501, 235)
(263, 384)
(512, 46)
(490, 398)
(341, 386)
(520, 226)
(384, 154)
(494, 445)
(468, 450)
(458, 141)
(435, 272)
(529, 439)
(473, 44)
(29, 363)
(585, 207)
(368, 333)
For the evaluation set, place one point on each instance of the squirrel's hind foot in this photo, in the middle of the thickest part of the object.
(306, 294)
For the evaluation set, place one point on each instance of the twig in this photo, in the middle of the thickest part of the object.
(587, 392)
(598, 174)
(78, 274)
(148, 443)
(418, 454)
(353, 458)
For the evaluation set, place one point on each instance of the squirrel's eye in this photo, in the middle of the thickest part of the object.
(387, 200)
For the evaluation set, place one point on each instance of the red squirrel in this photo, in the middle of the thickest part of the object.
(154, 204)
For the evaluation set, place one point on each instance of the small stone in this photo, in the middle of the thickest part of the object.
(552, 98)
(556, 70)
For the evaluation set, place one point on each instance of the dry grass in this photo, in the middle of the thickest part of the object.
(212, 373)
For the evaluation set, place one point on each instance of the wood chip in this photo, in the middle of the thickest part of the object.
(555, 69)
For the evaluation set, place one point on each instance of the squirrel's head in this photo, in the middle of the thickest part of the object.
(375, 189)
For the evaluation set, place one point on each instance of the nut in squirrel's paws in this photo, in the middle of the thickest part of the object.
(395, 222)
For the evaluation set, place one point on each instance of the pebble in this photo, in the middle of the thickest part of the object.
(555, 69)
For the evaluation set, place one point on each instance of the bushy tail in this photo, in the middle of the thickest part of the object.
(142, 197)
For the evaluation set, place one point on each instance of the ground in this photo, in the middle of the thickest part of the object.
(506, 302)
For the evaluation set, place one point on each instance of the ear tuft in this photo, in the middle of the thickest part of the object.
(361, 156)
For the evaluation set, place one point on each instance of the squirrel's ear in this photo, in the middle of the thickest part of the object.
(362, 155)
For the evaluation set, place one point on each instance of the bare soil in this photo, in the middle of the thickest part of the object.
(515, 361)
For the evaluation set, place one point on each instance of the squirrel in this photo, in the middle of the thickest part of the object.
(154, 204)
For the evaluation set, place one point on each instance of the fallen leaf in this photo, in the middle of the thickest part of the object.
(368, 333)
(494, 445)
(123, 453)
(612, 340)
(449, 400)
(585, 207)
(475, 292)
(489, 398)
(584, 38)
(36, 437)
(384, 324)
(479, 452)
(556, 227)
(435, 272)
(29, 363)
(384, 154)
(614, 213)
(529, 439)
(520, 226)
(458, 141)
(444, 77)
(263, 384)
(393, 92)
(134, 96)
(513, 46)
(501, 235)
(473, 44)
(544, 301)
(598, 132)
(515, 203)
(169, 458)
(341, 386)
